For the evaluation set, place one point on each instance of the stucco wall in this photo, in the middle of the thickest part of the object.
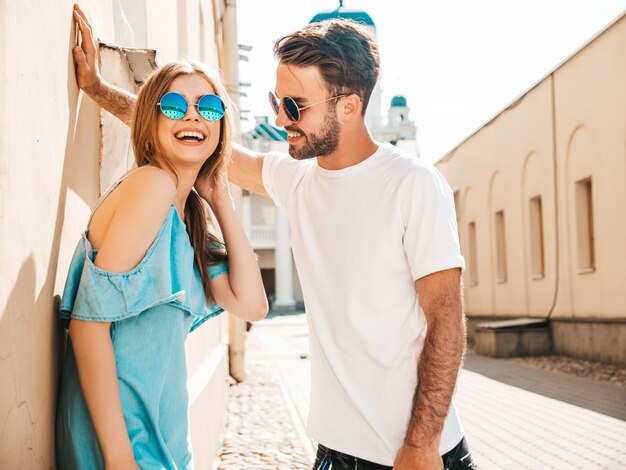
(573, 123)
(514, 152)
(591, 134)
(50, 175)
(49, 180)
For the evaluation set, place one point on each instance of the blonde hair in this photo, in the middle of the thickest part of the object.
(208, 249)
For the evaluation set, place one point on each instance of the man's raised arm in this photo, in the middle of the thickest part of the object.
(115, 100)
(246, 170)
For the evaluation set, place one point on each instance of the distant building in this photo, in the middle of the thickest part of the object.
(267, 226)
(399, 129)
(540, 192)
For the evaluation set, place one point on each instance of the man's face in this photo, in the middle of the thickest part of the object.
(317, 132)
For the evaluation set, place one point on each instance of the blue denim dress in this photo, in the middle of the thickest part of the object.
(151, 308)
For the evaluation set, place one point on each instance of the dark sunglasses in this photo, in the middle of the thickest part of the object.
(175, 106)
(292, 110)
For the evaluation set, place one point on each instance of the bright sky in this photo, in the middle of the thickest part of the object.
(458, 62)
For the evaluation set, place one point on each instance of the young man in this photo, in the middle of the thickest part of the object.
(376, 248)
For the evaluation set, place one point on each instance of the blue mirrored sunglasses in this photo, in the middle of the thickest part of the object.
(175, 106)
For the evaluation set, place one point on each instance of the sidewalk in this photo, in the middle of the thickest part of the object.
(515, 416)
(266, 416)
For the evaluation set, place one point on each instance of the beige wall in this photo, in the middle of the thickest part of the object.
(575, 121)
(51, 148)
(591, 136)
(48, 151)
(515, 163)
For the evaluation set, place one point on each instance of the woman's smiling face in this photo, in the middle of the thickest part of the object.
(191, 139)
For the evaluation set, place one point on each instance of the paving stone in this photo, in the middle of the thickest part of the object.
(515, 416)
(260, 432)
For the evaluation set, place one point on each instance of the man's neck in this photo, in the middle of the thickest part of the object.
(354, 147)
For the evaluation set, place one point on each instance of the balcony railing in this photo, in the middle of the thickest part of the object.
(263, 237)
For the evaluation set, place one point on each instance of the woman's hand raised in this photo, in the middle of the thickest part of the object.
(215, 189)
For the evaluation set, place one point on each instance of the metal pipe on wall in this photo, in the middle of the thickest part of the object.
(236, 326)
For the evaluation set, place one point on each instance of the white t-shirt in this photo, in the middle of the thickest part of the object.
(361, 236)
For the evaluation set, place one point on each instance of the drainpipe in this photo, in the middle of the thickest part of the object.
(236, 326)
(556, 200)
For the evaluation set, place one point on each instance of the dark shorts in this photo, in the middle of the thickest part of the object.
(458, 458)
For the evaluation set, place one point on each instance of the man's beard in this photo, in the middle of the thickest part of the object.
(320, 144)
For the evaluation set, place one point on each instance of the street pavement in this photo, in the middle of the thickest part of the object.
(515, 416)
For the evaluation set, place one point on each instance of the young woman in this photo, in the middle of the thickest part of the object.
(145, 273)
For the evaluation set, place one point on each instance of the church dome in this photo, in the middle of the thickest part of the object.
(341, 12)
(398, 101)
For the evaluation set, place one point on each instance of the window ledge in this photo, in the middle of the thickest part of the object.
(586, 270)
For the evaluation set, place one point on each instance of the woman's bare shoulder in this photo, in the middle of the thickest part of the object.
(137, 213)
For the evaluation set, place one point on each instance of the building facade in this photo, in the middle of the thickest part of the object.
(58, 153)
(398, 129)
(268, 228)
(540, 192)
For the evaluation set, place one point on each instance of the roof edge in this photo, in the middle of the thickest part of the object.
(450, 153)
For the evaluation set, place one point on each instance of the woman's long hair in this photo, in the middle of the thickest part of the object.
(208, 249)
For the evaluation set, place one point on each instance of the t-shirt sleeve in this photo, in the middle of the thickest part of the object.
(281, 176)
(431, 240)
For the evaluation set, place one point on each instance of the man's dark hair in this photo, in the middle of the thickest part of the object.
(345, 52)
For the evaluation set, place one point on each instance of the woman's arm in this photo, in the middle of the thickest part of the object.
(240, 291)
(97, 375)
